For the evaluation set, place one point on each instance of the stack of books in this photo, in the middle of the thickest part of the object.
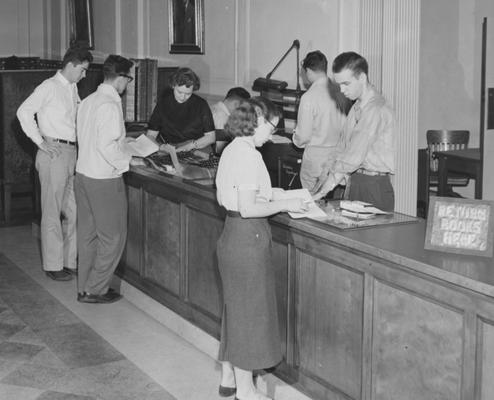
(359, 209)
(141, 95)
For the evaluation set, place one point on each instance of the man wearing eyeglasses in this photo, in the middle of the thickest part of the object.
(48, 117)
(104, 155)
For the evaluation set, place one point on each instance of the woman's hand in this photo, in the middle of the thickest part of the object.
(187, 146)
(167, 148)
(277, 194)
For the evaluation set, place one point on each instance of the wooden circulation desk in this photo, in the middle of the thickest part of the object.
(364, 314)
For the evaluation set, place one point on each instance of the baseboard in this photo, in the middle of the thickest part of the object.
(201, 340)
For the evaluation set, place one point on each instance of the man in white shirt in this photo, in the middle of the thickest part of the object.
(48, 117)
(222, 110)
(320, 120)
(99, 187)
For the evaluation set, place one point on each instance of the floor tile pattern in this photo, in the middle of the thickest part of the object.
(48, 353)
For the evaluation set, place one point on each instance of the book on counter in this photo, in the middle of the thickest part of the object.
(313, 212)
(359, 209)
(142, 146)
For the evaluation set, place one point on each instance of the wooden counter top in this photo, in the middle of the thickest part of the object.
(401, 244)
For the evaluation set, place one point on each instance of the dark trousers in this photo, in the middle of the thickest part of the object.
(101, 230)
(376, 190)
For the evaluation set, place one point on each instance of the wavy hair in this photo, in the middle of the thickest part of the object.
(242, 120)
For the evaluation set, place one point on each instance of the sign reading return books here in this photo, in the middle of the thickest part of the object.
(461, 226)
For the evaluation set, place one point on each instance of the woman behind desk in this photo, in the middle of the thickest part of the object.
(250, 333)
(180, 117)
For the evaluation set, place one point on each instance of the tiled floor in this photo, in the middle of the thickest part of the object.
(53, 348)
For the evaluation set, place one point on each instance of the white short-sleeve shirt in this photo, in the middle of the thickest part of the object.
(241, 167)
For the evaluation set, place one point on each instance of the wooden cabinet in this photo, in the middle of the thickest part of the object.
(17, 151)
(364, 314)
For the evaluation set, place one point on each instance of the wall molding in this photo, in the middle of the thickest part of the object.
(390, 40)
(118, 26)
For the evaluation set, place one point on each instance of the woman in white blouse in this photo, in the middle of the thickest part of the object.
(250, 333)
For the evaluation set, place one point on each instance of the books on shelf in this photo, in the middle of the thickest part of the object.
(139, 99)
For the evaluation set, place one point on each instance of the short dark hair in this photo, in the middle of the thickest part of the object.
(242, 120)
(77, 55)
(185, 77)
(316, 61)
(265, 108)
(116, 65)
(238, 93)
(352, 61)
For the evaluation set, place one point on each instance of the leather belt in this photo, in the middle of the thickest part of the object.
(371, 173)
(50, 139)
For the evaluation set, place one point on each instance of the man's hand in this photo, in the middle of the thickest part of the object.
(323, 177)
(323, 186)
(50, 148)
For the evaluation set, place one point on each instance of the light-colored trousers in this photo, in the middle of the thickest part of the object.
(313, 161)
(101, 230)
(58, 239)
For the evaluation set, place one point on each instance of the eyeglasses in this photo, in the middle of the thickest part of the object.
(275, 128)
(129, 78)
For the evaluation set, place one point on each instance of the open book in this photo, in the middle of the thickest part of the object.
(143, 146)
(314, 212)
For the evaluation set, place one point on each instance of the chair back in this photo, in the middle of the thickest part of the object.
(443, 140)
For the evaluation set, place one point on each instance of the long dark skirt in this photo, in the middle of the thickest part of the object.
(250, 336)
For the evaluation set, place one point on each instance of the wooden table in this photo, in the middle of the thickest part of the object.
(466, 161)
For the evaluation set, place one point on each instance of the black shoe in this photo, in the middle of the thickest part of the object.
(225, 391)
(70, 271)
(59, 275)
(98, 298)
(83, 298)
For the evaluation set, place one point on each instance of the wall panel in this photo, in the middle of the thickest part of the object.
(415, 361)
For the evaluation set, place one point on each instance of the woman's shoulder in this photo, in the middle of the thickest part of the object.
(198, 100)
(240, 149)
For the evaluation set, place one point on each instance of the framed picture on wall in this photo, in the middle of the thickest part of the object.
(81, 23)
(186, 26)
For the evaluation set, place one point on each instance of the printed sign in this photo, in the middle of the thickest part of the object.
(461, 226)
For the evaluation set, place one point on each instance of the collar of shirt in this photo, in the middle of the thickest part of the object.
(323, 80)
(248, 140)
(359, 104)
(224, 108)
(109, 90)
(62, 78)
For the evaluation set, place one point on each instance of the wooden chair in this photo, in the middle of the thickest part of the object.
(443, 140)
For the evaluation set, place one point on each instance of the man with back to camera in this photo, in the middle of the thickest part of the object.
(319, 121)
(222, 110)
(366, 149)
(99, 187)
(54, 103)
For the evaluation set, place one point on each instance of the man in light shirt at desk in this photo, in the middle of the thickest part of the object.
(365, 156)
(222, 110)
(319, 121)
(104, 156)
(54, 105)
